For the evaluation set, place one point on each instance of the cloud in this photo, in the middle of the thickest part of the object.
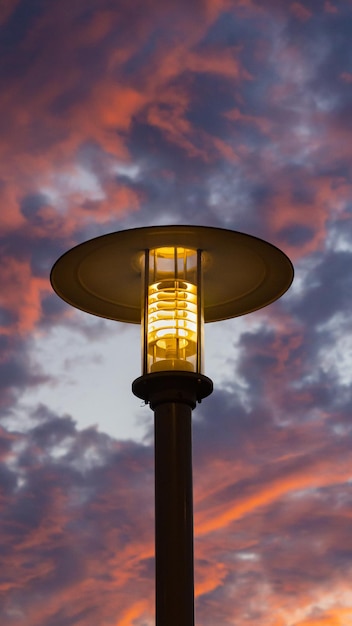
(67, 532)
(229, 114)
(73, 529)
(300, 11)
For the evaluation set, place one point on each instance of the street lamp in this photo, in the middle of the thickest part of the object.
(172, 279)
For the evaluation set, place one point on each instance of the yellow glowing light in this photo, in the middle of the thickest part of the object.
(172, 324)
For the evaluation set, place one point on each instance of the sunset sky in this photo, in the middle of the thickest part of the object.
(119, 114)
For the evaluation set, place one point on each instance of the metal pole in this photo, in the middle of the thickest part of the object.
(174, 515)
(172, 396)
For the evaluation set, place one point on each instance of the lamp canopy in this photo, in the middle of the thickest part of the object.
(241, 273)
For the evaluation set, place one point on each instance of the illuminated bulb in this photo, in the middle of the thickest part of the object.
(172, 324)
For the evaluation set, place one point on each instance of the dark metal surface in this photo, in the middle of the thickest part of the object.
(174, 601)
(172, 386)
(103, 276)
(172, 396)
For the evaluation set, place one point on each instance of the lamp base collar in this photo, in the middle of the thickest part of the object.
(176, 386)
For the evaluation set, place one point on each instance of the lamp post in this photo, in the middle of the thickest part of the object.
(172, 279)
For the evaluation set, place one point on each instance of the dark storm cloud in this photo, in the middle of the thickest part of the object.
(51, 430)
(296, 235)
(7, 318)
(17, 370)
(32, 203)
(328, 289)
(52, 308)
(296, 373)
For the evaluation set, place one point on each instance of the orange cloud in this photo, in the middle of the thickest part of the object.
(346, 77)
(329, 7)
(7, 7)
(300, 11)
(21, 293)
(325, 197)
(263, 124)
(103, 113)
(319, 474)
(335, 617)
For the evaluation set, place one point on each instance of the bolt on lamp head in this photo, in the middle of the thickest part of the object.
(172, 279)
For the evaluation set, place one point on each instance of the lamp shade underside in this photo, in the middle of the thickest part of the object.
(241, 273)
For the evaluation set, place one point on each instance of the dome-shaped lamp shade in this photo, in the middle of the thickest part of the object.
(172, 311)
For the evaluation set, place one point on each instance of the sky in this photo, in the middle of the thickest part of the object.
(119, 114)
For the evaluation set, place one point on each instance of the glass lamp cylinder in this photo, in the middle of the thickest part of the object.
(173, 322)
